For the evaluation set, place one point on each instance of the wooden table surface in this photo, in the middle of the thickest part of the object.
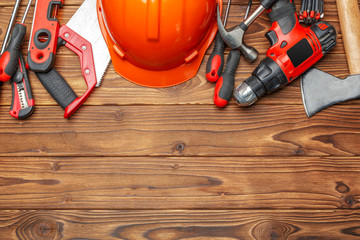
(144, 163)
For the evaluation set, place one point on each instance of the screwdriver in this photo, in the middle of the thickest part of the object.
(11, 22)
(10, 57)
(225, 85)
(215, 62)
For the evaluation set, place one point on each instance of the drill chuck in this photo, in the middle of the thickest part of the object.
(266, 78)
(244, 95)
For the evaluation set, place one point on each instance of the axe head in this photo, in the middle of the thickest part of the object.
(320, 90)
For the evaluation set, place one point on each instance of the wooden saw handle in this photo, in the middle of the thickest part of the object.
(349, 15)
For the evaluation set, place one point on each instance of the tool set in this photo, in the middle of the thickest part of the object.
(47, 35)
(13, 68)
(294, 49)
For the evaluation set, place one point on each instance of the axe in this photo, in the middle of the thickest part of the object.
(320, 90)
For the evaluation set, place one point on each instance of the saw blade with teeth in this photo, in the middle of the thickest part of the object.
(85, 23)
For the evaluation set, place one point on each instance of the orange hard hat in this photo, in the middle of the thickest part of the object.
(157, 43)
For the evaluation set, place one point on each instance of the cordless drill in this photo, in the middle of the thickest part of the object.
(294, 49)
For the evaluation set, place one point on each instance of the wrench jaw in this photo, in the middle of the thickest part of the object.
(234, 38)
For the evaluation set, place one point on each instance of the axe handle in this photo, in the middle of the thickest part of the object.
(349, 15)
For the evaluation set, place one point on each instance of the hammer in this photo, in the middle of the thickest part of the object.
(319, 89)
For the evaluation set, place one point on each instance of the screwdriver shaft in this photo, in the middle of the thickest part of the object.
(26, 11)
(11, 23)
(227, 12)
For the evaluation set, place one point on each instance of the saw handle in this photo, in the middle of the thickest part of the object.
(57, 86)
(349, 15)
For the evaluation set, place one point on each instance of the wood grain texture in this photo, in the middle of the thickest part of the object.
(175, 225)
(179, 183)
(262, 130)
(143, 163)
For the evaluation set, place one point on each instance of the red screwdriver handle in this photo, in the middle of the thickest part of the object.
(215, 63)
(9, 60)
(225, 85)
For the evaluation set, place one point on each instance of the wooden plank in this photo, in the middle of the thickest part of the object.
(261, 130)
(179, 183)
(172, 225)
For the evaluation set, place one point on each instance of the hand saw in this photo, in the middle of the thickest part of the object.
(82, 35)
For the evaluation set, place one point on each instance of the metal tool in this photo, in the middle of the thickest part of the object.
(215, 62)
(82, 36)
(234, 39)
(10, 56)
(294, 49)
(225, 85)
(321, 90)
(85, 23)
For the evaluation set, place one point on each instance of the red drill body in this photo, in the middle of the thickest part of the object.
(294, 49)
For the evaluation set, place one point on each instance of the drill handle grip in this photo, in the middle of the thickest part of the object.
(284, 13)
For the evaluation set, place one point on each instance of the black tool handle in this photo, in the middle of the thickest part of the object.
(58, 88)
(215, 63)
(9, 59)
(225, 85)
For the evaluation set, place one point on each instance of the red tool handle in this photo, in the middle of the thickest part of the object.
(225, 85)
(215, 62)
(22, 104)
(9, 59)
(44, 36)
(58, 88)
